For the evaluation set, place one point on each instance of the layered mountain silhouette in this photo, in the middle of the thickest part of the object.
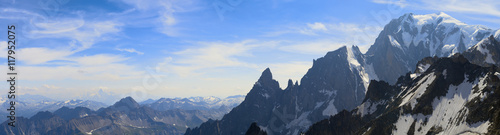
(29, 105)
(124, 117)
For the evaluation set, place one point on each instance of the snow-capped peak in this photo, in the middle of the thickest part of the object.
(436, 18)
(439, 33)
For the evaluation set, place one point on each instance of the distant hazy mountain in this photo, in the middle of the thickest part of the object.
(124, 117)
(101, 96)
(194, 103)
(28, 105)
(448, 96)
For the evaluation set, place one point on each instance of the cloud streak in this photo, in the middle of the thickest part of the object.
(209, 55)
(130, 50)
(487, 7)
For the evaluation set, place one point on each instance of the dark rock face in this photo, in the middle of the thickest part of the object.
(447, 98)
(485, 53)
(255, 130)
(124, 117)
(78, 112)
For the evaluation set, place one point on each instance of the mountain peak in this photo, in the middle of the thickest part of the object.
(127, 102)
(266, 75)
(442, 14)
(290, 84)
(42, 115)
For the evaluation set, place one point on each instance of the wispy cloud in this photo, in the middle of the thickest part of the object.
(208, 55)
(400, 3)
(82, 36)
(40, 55)
(486, 7)
(86, 33)
(327, 36)
(18, 14)
(130, 50)
(317, 26)
(312, 47)
(327, 29)
(166, 13)
(293, 70)
(85, 71)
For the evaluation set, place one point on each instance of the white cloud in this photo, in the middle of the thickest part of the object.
(18, 14)
(355, 34)
(107, 72)
(39, 65)
(207, 55)
(166, 12)
(130, 50)
(85, 32)
(50, 86)
(294, 70)
(38, 55)
(400, 3)
(3, 49)
(317, 26)
(485, 7)
(99, 59)
(312, 47)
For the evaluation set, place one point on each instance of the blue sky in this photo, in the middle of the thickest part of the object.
(151, 49)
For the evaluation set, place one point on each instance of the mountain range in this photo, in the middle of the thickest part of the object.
(177, 113)
(340, 80)
(28, 105)
(194, 103)
(124, 117)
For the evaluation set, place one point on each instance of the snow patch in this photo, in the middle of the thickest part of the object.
(419, 89)
(394, 42)
(448, 110)
(366, 73)
(351, 58)
(423, 68)
(447, 48)
(407, 39)
(328, 92)
(368, 107)
(445, 73)
(330, 110)
(403, 125)
(266, 95)
(318, 104)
